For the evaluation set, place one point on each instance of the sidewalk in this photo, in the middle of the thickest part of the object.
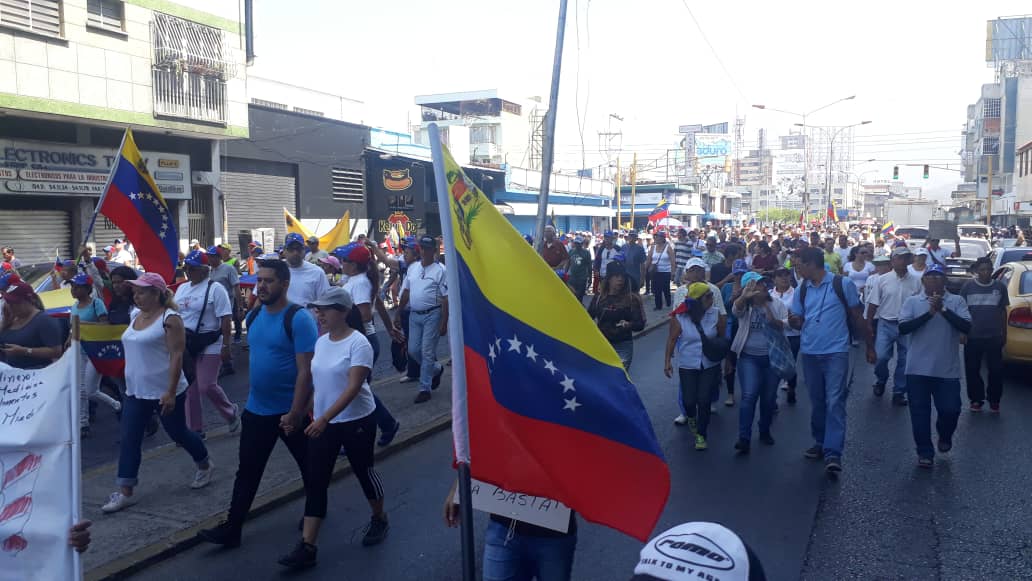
(169, 514)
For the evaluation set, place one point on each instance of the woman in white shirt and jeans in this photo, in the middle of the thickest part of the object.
(154, 343)
(343, 416)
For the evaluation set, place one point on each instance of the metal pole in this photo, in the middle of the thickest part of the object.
(806, 171)
(549, 140)
(619, 177)
(988, 202)
(634, 185)
(827, 181)
(469, 554)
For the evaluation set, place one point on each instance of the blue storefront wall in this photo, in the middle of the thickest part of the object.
(565, 223)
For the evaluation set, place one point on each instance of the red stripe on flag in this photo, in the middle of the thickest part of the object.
(607, 482)
(150, 248)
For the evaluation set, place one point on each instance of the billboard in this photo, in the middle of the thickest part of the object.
(712, 148)
(1008, 39)
(789, 163)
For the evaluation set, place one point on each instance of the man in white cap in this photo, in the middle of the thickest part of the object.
(698, 550)
(920, 262)
(887, 297)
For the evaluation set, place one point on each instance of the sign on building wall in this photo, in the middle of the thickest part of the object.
(712, 148)
(58, 169)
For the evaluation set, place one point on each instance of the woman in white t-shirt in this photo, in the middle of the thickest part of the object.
(859, 267)
(343, 417)
(154, 381)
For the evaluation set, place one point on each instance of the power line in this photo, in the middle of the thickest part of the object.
(714, 51)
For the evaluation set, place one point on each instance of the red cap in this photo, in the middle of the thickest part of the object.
(359, 254)
(18, 292)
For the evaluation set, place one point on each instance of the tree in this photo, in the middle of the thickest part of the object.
(778, 215)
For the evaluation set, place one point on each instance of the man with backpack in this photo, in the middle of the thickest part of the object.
(282, 341)
(827, 310)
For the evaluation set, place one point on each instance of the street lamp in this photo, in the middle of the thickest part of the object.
(831, 148)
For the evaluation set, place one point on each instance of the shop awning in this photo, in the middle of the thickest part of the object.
(529, 209)
(716, 216)
(505, 209)
(672, 209)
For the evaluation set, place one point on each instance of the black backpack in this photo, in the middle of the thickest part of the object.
(836, 284)
(288, 318)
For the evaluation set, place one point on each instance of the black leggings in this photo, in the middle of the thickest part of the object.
(357, 437)
(661, 288)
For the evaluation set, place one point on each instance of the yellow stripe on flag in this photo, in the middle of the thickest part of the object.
(100, 332)
(339, 235)
(510, 273)
(57, 299)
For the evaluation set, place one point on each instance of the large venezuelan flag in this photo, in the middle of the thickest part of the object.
(551, 410)
(103, 345)
(662, 210)
(134, 204)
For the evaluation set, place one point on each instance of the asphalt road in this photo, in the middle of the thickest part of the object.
(884, 518)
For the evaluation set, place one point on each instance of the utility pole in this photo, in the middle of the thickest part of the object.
(618, 196)
(549, 145)
(634, 185)
(988, 202)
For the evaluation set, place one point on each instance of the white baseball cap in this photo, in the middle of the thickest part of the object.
(698, 550)
(695, 262)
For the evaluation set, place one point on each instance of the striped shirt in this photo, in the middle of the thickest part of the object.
(682, 252)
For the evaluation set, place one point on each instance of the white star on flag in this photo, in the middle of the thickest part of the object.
(491, 352)
(498, 344)
(531, 354)
(514, 343)
(133, 196)
(567, 384)
(550, 367)
(572, 404)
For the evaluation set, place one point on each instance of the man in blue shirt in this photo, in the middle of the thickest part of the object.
(825, 324)
(935, 321)
(281, 371)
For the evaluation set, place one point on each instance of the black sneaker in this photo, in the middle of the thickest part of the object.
(437, 379)
(302, 557)
(423, 396)
(387, 436)
(945, 445)
(814, 452)
(767, 439)
(742, 446)
(879, 389)
(224, 534)
(791, 399)
(376, 532)
(899, 400)
(832, 465)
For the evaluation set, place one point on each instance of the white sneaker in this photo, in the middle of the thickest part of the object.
(117, 406)
(117, 501)
(407, 379)
(203, 478)
(681, 420)
(235, 424)
(712, 408)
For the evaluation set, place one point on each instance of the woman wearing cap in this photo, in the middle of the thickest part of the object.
(361, 286)
(343, 411)
(29, 339)
(698, 376)
(89, 310)
(920, 262)
(783, 292)
(332, 267)
(758, 313)
(859, 267)
(618, 311)
(154, 343)
(661, 256)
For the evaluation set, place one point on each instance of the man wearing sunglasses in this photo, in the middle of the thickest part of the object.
(425, 290)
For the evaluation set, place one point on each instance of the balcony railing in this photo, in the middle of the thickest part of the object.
(190, 96)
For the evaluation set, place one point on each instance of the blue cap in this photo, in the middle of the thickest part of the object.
(408, 242)
(341, 252)
(528, 238)
(82, 279)
(934, 269)
(608, 234)
(294, 238)
(196, 258)
(562, 274)
(739, 267)
(751, 276)
(213, 250)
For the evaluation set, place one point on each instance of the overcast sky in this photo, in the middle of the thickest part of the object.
(913, 65)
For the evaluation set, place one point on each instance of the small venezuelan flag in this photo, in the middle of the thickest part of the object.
(103, 345)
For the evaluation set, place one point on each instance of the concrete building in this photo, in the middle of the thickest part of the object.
(1023, 185)
(75, 73)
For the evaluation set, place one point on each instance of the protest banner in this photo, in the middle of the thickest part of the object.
(535, 510)
(40, 484)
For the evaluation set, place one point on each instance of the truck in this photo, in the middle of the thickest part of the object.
(912, 212)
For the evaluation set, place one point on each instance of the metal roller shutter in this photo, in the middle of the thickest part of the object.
(36, 235)
(104, 233)
(256, 193)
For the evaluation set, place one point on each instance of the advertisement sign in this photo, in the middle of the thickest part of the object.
(712, 148)
(789, 163)
(48, 169)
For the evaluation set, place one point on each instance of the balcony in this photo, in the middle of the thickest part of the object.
(191, 64)
(190, 96)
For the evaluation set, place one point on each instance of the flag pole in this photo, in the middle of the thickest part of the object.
(460, 412)
(76, 438)
(107, 186)
(548, 148)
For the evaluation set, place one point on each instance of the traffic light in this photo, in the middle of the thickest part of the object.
(926, 171)
(895, 172)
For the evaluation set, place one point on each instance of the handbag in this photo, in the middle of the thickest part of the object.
(196, 341)
(780, 352)
(714, 348)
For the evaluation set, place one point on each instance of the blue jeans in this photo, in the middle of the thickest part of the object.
(888, 337)
(136, 413)
(526, 557)
(758, 382)
(384, 420)
(424, 332)
(625, 351)
(826, 379)
(946, 393)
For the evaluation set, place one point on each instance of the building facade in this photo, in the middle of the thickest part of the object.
(484, 127)
(75, 73)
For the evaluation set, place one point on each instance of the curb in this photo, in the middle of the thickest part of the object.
(182, 540)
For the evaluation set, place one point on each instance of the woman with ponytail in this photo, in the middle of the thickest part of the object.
(698, 375)
(154, 343)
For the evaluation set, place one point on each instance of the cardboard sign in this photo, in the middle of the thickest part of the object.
(942, 230)
(535, 510)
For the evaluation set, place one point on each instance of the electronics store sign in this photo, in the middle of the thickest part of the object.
(38, 168)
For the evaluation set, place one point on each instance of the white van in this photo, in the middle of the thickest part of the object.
(974, 231)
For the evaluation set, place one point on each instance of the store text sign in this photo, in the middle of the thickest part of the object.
(42, 168)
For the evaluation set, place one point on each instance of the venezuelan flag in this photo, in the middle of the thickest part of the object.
(103, 345)
(134, 204)
(339, 235)
(832, 214)
(888, 228)
(551, 410)
(662, 210)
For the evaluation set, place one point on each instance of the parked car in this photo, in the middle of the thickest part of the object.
(958, 269)
(1017, 277)
(1003, 256)
(974, 230)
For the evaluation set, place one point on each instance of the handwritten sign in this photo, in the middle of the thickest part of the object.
(535, 510)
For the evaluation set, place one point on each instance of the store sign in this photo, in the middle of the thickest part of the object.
(59, 169)
(712, 148)
(409, 226)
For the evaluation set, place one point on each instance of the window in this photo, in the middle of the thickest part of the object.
(347, 184)
(1025, 285)
(42, 16)
(269, 104)
(190, 66)
(990, 146)
(105, 14)
(308, 112)
(483, 134)
(991, 109)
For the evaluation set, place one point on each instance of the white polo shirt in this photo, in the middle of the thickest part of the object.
(426, 285)
(891, 291)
